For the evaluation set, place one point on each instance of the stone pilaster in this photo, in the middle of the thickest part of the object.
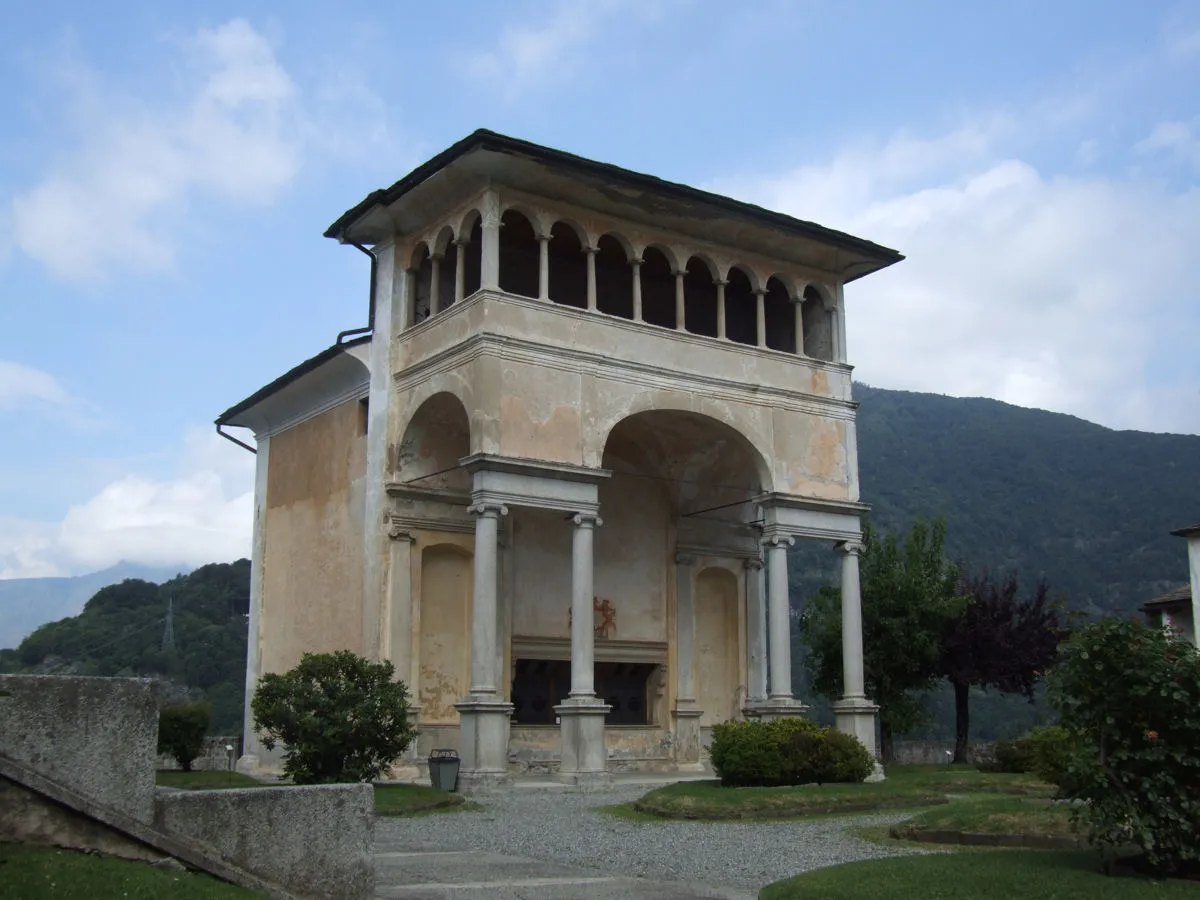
(756, 636)
(686, 714)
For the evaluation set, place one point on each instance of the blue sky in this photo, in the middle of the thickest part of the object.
(166, 173)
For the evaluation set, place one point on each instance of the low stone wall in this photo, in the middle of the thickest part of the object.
(316, 840)
(98, 736)
(213, 756)
(923, 753)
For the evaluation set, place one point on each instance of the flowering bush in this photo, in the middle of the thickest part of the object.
(1130, 694)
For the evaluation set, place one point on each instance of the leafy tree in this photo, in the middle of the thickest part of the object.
(1129, 694)
(999, 640)
(909, 597)
(181, 731)
(340, 717)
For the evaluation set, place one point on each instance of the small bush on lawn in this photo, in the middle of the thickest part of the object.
(340, 717)
(786, 751)
(181, 731)
(1131, 693)
(1015, 756)
(1053, 747)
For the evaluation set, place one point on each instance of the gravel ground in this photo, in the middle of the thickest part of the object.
(565, 827)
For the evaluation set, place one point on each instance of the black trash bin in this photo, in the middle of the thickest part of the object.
(443, 769)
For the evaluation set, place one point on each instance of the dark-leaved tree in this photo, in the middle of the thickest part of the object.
(1000, 640)
(909, 598)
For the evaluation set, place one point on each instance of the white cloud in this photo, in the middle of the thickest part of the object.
(23, 386)
(116, 202)
(204, 514)
(526, 53)
(1055, 292)
(1174, 138)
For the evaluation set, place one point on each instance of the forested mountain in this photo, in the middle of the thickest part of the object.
(123, 631)
(1038, 493)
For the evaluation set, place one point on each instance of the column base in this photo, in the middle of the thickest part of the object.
(483, 744)
(687, 738)
(857, 716)
(776, 708)
(584, 754)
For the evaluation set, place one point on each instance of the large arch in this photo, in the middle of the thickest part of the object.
(436, 437)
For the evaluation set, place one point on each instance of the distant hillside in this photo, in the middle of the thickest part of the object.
(1037, 492)
(121, 631)
(26, 603)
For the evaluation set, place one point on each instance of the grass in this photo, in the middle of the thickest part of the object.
(992, 875)
(411, 799)
(964, 779)
(206, 780)
(33, 872)
(995, 815)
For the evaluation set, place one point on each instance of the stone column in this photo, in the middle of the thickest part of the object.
(721, 308)
(680, 303)
(483, 714)
(798, 311)
(636, 262)
(686, 713)
(591, 277)
(543, 267)
(780, 701)
(855, 714)
(760, 317)
(435, 284)
(756, 636)
(396, 625)
(460, 270)
(581, 715)
(489, 222)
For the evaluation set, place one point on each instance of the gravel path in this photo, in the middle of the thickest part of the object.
(565, 827)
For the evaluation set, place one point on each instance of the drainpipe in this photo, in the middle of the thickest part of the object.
(230, 437)
(353, 332)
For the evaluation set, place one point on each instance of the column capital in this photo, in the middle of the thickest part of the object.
(721, 282)
(488, 508)
(636, 261)
(850, 548)
(759, 292)
(776, 540)
(590, 250)
(545, 238)
(397, 532)
(685, 559)
(753, 564)
(587, 520)
(461, 242)
(680, 273)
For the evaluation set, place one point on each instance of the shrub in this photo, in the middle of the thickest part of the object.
(340, 717)
(1015, 756)
(1131, 694)
(1053, 747)
(786, 751)
(181, 731)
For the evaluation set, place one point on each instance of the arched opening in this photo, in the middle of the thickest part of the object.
(658, 289)
(445, 650)
(781, 317)
(818, 326)
(422, 268)
(568, 267)
(518, 255)
(614, 279)
(700, 298)
(447, 268)
(741, 311)
(718, 686)
(437, 436)
(472, 249)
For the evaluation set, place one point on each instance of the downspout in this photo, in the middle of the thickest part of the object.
(371, 302)
(230, 437)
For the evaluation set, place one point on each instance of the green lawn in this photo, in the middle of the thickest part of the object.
(997, 875)
(963, 779)
(995, 815)
(27, 873)
(407, 799)
(205, 781)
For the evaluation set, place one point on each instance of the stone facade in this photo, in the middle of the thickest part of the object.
(557, 483)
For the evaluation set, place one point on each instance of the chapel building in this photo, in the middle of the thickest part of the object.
(555, 478)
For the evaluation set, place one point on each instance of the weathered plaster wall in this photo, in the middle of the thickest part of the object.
(313, 555)
(541, 555)
(717, 634)
(632, 553)
(445, 629)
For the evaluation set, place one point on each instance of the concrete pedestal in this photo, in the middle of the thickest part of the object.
(483, 744)
(687, 739)
(584, 754)
(777, 708)
(857, 716)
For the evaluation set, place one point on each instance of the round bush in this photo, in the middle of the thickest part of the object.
(786, 752)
